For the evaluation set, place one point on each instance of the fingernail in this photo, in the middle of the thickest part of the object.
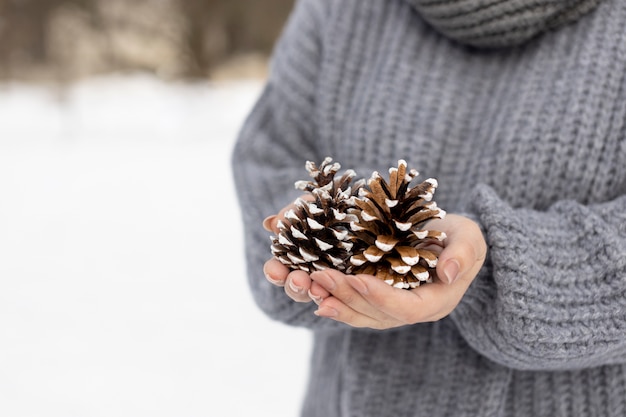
(267, 223)
(326, 312)
(316, 299)
(294, 287)
(451, 271)
(273, 281)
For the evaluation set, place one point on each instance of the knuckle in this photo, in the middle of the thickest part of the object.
(348, 297)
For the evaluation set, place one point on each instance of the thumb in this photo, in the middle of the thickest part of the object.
(464, 248)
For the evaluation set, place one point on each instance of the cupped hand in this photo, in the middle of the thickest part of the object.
(366, 301)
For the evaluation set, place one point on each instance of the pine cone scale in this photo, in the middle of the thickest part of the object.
(386, 243)
(408, 254)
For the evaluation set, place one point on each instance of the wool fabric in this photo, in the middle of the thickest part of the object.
(525, 130)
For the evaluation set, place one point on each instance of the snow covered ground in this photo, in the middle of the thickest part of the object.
(122, 291)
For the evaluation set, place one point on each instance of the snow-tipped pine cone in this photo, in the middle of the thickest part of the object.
(316, 235)
(391, 216)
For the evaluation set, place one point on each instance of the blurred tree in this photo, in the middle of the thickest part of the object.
(24, 26)
(204, 45)
(200, 34)
(215, 29)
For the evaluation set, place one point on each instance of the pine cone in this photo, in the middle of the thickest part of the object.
(389, 227)
(316, 234)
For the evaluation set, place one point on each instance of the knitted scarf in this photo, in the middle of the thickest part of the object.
(499, 23)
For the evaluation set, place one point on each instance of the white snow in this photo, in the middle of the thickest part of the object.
(122, 287)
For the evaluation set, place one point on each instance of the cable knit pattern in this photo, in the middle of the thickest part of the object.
(529, 141)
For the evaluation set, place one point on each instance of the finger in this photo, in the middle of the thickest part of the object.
(334, 282)
(347, 304)
(296, 283)
(464, 249)
(397, 305)
(333, 308)
(275, 272)
(268, 223)
(318, 293)
(426, 303)
(461, 259)
(297, 286)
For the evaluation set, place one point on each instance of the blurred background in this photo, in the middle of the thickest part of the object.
(62, 40)
(122, 283)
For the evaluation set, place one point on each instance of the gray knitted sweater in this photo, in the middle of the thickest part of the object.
(518, 108)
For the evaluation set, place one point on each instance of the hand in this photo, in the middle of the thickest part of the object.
(296, 283)
(366, 301)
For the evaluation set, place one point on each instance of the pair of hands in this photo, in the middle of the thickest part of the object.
(366, 301)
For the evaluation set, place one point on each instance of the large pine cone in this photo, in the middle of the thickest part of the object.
(316, 233)
(390, 220)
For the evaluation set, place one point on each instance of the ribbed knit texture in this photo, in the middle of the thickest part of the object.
(528, 140)
(497, 23)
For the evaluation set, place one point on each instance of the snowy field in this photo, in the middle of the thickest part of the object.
(122, 288)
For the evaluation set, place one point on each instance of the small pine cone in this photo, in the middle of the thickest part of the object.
(389, 227)
(316, 234)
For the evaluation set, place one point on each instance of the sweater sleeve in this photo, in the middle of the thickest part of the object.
(552, 294)
(276, 140)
